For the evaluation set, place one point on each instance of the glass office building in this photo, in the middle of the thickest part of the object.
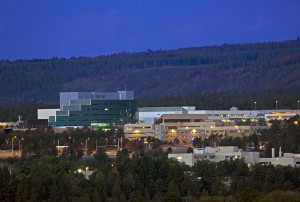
(97, 109)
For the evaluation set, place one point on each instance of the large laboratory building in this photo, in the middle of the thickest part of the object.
(97, 109)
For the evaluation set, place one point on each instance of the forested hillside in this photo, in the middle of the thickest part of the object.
(188, 71)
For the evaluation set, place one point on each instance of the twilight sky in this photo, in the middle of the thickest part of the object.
(65, 28)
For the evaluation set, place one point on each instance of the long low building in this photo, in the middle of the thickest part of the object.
(284, 159)
(185, 127)
(151, 114)
(217, 154)
(279, 116)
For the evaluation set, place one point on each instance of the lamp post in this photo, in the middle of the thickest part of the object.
(12, 144)
(298, 104)
(276, 105)
(19, 143)
(255, 105)
(20, 146)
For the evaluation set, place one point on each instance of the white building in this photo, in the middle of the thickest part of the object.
(287, 159)
(151, 114)
(233, 114)
(45, 113)
(216, 154)
(187, 158)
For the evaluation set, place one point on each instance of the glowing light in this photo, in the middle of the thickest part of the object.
(3, 124)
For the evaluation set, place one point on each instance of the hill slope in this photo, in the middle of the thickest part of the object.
(240, 67)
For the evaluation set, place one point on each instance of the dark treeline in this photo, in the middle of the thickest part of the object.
(287, 99)
(188, 71)
(50, 178)
(148, 176)
(28, 111)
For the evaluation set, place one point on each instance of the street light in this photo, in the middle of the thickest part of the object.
(298, 104)
(12, 144)
(255, 105)
(276, 105)
(19, 143)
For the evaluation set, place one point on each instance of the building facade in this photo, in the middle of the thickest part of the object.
(185, 127)
(216, 154)
(45, 113)
(37, 123)
(151, 114)
(96, 109)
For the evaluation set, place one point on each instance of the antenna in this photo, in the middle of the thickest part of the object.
(19, 117)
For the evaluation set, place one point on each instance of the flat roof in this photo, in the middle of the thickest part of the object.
(162, 109)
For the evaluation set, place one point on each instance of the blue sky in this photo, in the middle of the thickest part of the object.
(65, 28)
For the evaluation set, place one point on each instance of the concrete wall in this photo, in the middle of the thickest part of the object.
(284, 161)
(126, 95)
(187, 158)
(45, 113)
(65, 97)
(251, 157)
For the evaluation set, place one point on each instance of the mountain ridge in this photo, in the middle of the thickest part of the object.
(185, 71)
